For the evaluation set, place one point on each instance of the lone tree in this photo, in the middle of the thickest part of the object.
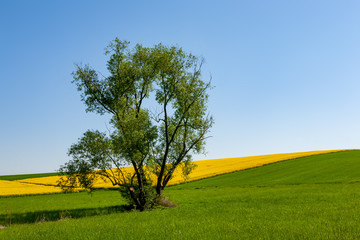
(153, 142)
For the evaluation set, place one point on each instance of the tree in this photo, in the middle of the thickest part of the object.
(153, 142)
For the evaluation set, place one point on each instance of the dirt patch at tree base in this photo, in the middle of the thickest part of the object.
(166, 203)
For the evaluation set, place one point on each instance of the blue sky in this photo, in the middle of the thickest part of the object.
(286, 73)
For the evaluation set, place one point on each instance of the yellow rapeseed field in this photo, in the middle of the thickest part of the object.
(17, 188)
(204, 169)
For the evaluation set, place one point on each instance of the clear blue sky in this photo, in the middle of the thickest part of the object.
(287, 73)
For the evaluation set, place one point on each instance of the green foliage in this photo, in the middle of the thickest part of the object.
(186, 168)
(92, 152)
(151, 197)
(228, 209)
(150, 141)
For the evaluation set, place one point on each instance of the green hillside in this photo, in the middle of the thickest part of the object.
(25, 176)
(307, 198)
(337, 167)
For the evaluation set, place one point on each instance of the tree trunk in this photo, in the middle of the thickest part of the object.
(159, 189)
(136, 200)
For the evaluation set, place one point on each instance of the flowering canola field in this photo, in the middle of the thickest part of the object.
(204, 169)
(19, 188)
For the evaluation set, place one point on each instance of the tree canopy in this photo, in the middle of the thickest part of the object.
(158, 105)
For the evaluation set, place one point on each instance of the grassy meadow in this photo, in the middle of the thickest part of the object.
(314, 197)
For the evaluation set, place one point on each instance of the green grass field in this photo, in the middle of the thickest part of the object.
(25, 176)
(316, 197)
